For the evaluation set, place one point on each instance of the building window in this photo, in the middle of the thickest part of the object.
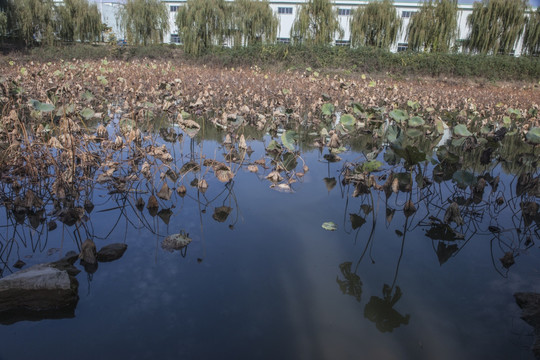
(283, 40)
(344, 12)
(402, 47)
(174, 8)
(175, 39)
(284, 10)
(407, 14)
(343, 43)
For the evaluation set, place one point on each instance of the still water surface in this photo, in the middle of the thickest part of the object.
(270, 283)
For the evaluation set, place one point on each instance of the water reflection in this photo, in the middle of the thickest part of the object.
(381, 310)
(442, 192)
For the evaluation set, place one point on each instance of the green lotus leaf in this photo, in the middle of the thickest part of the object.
(288, 138)
(533, 135)
(399, 115)
(370, 166)
(330, 226)
(416, 121)
(461, 130)
(327, 109)
(347, 120)
(87, 113)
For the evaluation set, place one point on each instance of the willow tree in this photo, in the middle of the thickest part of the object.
(531, 38)
(31, 21)
(375, 24)
(79, 20)
(3, 25)
(253, 22)
(434, 27)
(316, 24)
(203, 23)
(144, 21)
(496, 25)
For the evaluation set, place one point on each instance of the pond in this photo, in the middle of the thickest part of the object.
(394, 247)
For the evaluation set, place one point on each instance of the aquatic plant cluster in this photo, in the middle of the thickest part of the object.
(70, 126)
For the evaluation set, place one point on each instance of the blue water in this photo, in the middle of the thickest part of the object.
(264, 283)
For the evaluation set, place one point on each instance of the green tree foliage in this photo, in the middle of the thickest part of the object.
(253, 22)
(531, 38)
(202, 23)
(31, 21)
(434, 27)
(316, 24)
(78, 20)
(3, 25)
(496, 25)
(144, 21)
(375, 24)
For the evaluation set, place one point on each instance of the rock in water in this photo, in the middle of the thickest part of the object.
(530, 304)
(88, 252)
(111, 252)
(41, 291)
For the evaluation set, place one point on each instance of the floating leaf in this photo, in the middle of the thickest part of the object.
(416, 121)
(399, 115)
(103, 80)
(461, 130)
(289, 138)
(330, 226)
(534, 135)
(514, 112)
(413, 104)
(273, 146)
(458, 142)
(414, 133)
(65, 110)
(327, 109)
(87, 95)
(43, 107)
(393, 133)
(370, 166)
(87, 113)
(347, 120)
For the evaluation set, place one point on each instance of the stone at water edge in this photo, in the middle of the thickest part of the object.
(111, 252)
(39, 289)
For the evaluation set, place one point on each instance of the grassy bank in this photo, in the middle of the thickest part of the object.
(362, 60)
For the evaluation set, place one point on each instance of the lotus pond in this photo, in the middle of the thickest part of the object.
(332, 225)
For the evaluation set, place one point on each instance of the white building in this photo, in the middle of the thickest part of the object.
(286, 11)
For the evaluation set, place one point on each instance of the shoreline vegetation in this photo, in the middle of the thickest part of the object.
(345, 60)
